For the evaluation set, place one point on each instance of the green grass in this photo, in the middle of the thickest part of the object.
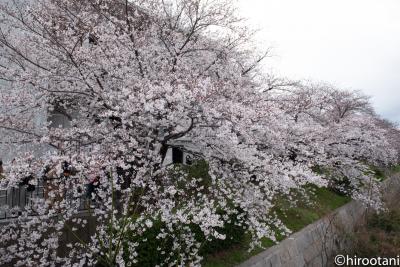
(382, 173)
(235, 255)
(378, 173)
(322, 201)
(395, 169)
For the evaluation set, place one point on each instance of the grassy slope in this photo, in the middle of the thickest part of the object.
(323, 201)
(395, 169)
(295, 218)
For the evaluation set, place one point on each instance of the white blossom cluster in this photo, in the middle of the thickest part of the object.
(134, 77)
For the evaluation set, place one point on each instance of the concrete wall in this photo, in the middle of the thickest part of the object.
(317, 243)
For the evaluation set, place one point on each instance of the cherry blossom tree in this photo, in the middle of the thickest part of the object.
(338, 131)
(134, 78)
(392, 132)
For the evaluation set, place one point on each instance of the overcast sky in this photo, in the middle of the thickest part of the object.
(353, 44)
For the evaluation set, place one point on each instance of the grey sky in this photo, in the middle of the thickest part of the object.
(353, 44)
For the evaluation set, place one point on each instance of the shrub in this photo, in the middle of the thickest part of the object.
(234, 235)
(150, 245)
(380, 236)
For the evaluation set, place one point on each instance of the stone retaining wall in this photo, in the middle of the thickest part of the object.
(317, 243)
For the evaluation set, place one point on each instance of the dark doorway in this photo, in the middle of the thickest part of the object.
(177, 155)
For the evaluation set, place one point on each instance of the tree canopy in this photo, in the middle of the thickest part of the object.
(134, 78)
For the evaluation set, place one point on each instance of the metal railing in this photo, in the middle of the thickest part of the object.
(14, 201)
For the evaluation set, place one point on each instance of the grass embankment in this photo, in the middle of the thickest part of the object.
(382, 174)
(321, 201)
(395, 169)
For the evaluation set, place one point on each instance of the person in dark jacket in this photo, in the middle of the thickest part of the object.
(1, 169)
(27, 182)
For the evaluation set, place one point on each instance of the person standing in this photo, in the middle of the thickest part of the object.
(1, 170)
